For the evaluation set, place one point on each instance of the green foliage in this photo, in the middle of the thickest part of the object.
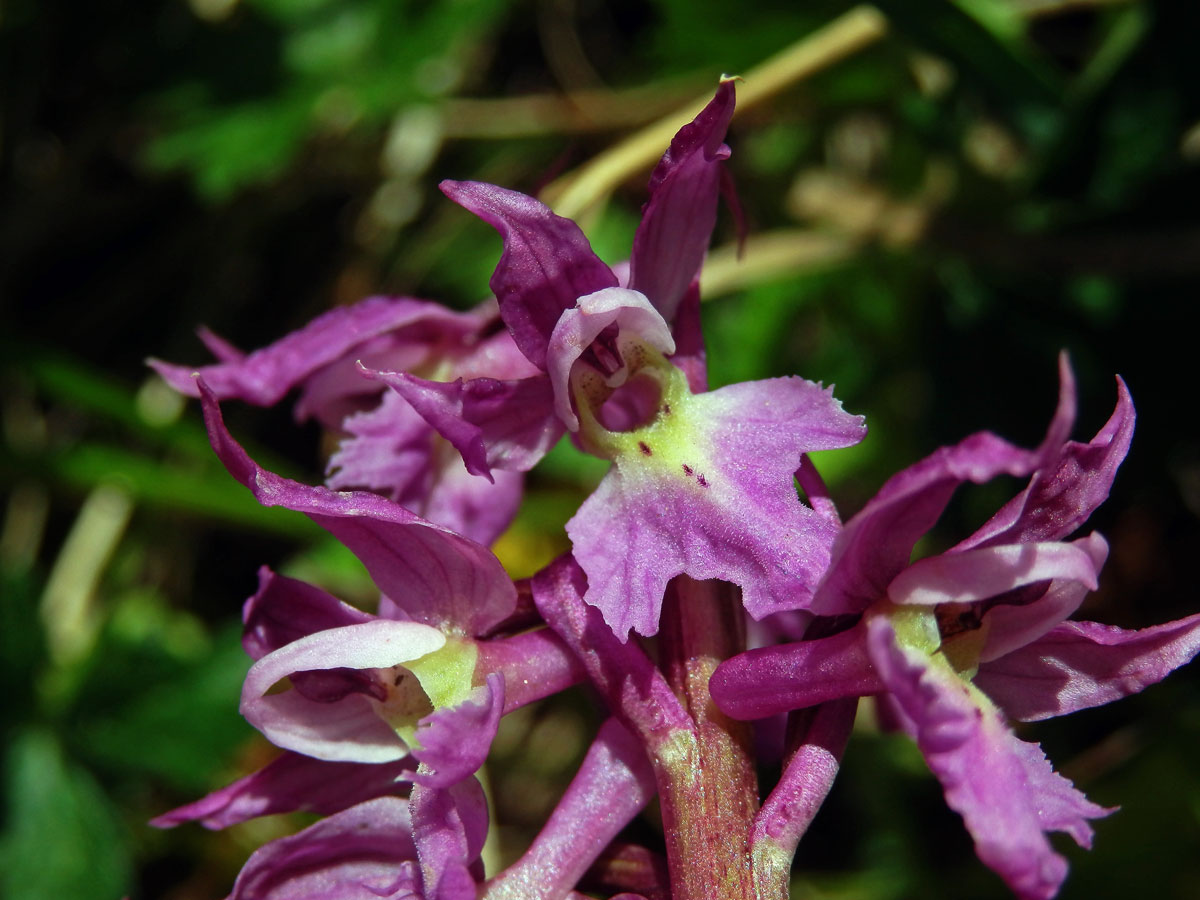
(63, 836)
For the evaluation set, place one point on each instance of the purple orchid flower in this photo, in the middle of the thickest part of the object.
(702, 482)
(956, 642)
(387, 448)
(374, 698)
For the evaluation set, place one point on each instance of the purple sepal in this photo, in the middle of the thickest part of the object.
(436, 576)
(345, 726)
(363, 853)
(772, 680)
(728, 510)
(449, 828)
(284, 609)
(678, 219)
(636, 691)
(491, 423)
(612, 785)
(546, 265)
(454, 741)
(1078, 665)
(877, 543)
(265, 376)
(290, 783)
(1004, 788)
(1061, 496)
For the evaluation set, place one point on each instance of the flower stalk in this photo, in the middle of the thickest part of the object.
(709, 793)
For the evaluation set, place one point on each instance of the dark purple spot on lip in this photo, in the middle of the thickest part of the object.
(645, 448)
(666, 409)
(702, 481)
(687, 470)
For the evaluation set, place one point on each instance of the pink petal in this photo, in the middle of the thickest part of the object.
(454, 741)
(393, 451)
(1061, 496)
(1078, 665)
(1011, 626)
(877, 543)
(730, 511)
(491, 423)
(1003, 788)
(284, 609)
(437, 576)
(289, 783)
(978, 574)
(265, 376)
(349, 729)
(449, 827)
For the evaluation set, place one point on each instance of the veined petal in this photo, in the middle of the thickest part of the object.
(1078, 665)
(546, 265)
(349, 729)
(777, 679)
(436, 576)
(292, 782)
(265, 376)
(707, 490)
(876, 544)
(364, 853)
(284, 609)
(630, 311)
(678, 219)
(506, 424)
(1003, 788)
(978, 574)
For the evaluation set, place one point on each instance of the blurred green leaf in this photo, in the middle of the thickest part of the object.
(177, 720)
(987, 50)
(208, 491)
(63, 838)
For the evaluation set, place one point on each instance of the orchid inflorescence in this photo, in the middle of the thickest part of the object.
(696, 531)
